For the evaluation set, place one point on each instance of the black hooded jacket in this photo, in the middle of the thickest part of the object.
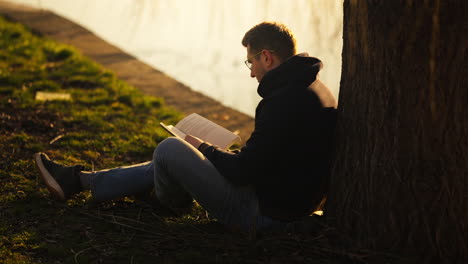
(287, 156)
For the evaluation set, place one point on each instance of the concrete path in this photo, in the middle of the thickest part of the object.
(128, 68)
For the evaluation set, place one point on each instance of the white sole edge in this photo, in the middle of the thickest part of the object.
(51, 184)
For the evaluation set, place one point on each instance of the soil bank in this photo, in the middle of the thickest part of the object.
(128, 68)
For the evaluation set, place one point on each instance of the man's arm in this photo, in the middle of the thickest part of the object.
(226, 162)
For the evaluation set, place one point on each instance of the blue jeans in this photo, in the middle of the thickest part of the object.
(180, 173)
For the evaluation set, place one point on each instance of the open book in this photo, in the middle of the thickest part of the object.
(200, 127)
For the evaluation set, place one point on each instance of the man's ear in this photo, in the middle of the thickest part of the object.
(268, 58)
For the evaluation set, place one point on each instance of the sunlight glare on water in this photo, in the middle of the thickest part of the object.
(199, 42)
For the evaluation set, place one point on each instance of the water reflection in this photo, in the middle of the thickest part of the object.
(198, 42)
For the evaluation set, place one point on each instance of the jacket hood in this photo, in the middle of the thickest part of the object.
(298, 71)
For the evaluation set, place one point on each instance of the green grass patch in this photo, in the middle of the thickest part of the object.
(106, 123)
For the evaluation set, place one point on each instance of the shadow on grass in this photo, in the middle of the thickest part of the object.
(127, 231)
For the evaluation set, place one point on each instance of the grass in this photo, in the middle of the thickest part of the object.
(106, 123)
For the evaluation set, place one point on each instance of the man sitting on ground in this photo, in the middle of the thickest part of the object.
(280, 175)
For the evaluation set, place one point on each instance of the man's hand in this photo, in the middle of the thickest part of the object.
(194, 141)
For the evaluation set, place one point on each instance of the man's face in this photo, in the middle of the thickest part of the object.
(258, 68)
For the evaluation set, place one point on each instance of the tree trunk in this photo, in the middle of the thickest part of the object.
(400, 176)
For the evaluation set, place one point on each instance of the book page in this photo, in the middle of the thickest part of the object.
(207, 130)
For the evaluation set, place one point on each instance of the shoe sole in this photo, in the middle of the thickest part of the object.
(51, 184)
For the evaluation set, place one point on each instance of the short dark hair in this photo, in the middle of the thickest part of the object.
(271, 36)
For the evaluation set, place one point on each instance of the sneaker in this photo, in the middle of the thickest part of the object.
(62, 181)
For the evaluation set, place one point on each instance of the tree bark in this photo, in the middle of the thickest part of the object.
(400, 178)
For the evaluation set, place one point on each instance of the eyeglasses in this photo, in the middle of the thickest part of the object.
(248, 63)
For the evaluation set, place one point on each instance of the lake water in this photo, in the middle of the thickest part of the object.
(198, 42)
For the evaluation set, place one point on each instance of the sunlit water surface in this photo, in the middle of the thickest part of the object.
(198, 42)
